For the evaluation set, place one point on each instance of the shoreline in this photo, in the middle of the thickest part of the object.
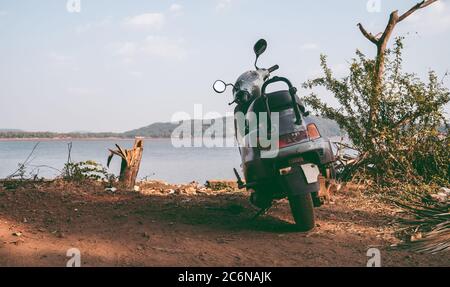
(85, 139)
(78, 139)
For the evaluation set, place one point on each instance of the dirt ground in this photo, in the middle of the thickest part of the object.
(166, 225)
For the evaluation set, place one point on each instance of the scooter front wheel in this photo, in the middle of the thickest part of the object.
(302, 210)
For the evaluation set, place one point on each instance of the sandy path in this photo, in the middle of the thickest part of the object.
(157, 229)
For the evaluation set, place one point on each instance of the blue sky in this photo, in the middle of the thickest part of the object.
(119, 65)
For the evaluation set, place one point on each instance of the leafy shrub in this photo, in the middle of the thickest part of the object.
(86, 170)
(409, 139)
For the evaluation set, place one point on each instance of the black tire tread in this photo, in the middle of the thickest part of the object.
(302, 210)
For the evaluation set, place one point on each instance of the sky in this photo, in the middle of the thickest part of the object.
(118, 65)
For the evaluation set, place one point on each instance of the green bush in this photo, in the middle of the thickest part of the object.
(86, 170)
(409, 140)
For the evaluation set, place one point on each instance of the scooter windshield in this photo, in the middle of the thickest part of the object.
(250, 83)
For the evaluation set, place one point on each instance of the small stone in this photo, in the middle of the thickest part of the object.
(416, 236)
(190, 190)
(112, 189)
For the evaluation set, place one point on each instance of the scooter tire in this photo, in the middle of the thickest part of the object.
(302, 209)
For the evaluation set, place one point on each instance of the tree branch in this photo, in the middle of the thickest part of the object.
(367, 34)
(416, 7)
(393, 20)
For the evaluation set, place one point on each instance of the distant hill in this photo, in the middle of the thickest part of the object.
(166, 129)
(52, 135)
(163, 130)
(10, 130)
(327, 128)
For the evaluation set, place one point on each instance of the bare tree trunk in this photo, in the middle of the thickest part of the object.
(381, 44)
(130, 167)
(131, 161)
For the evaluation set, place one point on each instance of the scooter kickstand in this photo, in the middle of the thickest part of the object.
(262, 211)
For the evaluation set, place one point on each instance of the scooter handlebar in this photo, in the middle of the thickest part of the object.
(273, 68)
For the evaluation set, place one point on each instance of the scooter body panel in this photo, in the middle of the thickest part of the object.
(262, 167)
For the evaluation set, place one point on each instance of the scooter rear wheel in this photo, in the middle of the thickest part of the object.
(303, 211)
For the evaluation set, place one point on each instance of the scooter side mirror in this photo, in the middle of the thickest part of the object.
(260, 47)
(219, 86)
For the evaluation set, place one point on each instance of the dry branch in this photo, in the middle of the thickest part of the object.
(24, 164)
(381, 43)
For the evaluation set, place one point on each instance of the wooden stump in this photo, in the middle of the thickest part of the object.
(130, 167)
(131, 161)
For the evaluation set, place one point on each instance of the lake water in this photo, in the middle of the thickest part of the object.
(160, 159)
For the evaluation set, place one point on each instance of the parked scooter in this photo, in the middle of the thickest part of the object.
(302, 154)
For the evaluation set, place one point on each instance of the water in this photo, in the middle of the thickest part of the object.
(160, 159)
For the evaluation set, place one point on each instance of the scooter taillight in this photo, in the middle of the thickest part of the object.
(292, 138)
(313, 132)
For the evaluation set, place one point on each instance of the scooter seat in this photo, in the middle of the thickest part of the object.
(277, 101)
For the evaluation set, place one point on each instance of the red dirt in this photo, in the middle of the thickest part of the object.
(155, 228)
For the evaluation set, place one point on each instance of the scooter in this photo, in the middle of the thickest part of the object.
(301, 155)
